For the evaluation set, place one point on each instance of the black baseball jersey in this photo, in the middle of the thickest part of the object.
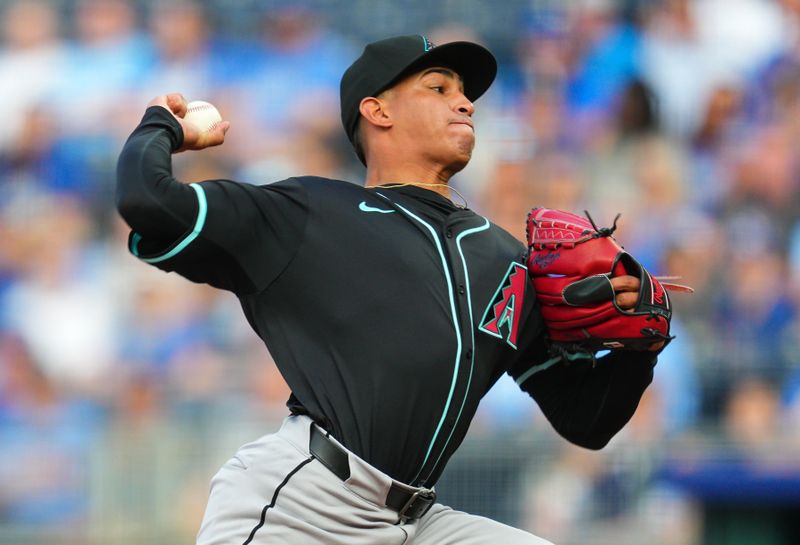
(389, 311)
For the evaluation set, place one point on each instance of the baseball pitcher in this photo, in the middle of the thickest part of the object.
(389, 309)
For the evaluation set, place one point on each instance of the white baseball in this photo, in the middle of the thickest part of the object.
(202, 115)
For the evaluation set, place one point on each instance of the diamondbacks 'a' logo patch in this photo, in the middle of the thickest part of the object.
(502, 316)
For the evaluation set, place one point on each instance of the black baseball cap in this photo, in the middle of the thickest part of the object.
(386, 62)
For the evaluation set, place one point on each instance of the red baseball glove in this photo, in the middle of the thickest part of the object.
(570, 262)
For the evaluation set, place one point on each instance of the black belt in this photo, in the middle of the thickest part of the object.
(409, 505)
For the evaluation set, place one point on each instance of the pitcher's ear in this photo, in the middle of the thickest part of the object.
(375, 111)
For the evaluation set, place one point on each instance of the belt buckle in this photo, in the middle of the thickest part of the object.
(427, 497)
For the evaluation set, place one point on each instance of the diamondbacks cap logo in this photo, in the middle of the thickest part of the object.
(426, 43)
(505, 308)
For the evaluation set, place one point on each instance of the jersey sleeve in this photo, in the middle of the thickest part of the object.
(231, 235)
(587, 402)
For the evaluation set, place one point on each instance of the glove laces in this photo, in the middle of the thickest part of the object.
(603, 231)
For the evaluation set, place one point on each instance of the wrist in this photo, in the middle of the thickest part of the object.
(158, 116)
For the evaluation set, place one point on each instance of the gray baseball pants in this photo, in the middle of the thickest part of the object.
(273, 492)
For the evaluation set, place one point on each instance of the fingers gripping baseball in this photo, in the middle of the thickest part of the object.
(195, 137)
(177, 104)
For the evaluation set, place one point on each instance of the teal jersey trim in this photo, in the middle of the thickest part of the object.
(135, 239)
(474, 230)
(202, 211)
(551, 362)
(455, 327)
(535, 369)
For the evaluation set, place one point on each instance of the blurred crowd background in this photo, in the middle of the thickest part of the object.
(122, 388)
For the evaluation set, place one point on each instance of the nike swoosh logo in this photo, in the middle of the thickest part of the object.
(364, 207)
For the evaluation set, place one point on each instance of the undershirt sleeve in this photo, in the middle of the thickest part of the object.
(231, 235)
